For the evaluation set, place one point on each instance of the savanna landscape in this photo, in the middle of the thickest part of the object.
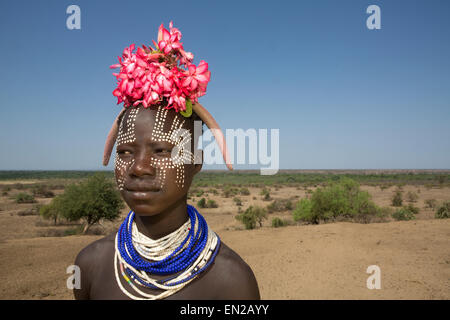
(306, 234)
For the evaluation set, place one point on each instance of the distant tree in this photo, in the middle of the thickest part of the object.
(91, 200)
(51, 210)
(251, 216)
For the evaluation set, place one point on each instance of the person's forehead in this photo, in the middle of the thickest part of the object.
(153, 124)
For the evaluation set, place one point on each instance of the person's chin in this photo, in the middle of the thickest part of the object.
(146, 209)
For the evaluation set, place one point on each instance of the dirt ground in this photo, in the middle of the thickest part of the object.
(327, 261)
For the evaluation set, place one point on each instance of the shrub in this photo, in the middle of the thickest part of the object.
(403, 214)
(25, 198)
(443, 211)
(213, 191)
(342, 199)
(280, 205)
(237, 201)
(303, 211)
(244, 192)
(229, 191)
(411, 208)
(411, 196)
(431, 203)
(42, 191)
(277, 222)
(397, 199)
(211, 204)
(199, 193)
(251, 216)
(92, 200)
(201, 203)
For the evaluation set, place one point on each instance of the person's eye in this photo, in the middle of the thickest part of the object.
(124, 152)
(163, 151)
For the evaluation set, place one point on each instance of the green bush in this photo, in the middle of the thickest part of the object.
(397, 199)
(411, 196)
(280, 205)
(92, 200)
(431, 203)
(264, 191)
(413, 209)
(53, 210)
(277, 222)
(201, 203)
(42, 191)
(443, 211)
(303, 211)
(229, 191)
(252, 216)
(237, 201)
(340, 199)
(403, 214)
(199, 193)
(24, 198)
(244, 192)
(211, 204)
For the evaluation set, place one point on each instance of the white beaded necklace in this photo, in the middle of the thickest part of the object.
(157, 250)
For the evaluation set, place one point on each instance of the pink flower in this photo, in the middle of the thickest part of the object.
(168, 41)
(149, 76)
(197, 75)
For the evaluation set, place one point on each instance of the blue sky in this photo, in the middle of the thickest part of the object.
(343, 96)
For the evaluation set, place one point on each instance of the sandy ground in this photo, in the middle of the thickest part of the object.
(327, 261)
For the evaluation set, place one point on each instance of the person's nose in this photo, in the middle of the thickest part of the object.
(142, 165)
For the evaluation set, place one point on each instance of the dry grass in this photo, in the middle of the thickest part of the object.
(312, 262)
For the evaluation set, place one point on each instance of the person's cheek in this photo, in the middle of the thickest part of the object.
(121, 168)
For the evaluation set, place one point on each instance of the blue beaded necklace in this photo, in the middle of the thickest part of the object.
(180, 259)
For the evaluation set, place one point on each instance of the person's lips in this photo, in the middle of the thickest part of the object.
(142, 192)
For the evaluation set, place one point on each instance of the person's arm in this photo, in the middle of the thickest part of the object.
(83, 261)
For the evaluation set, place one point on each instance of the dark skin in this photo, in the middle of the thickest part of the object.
(159, 212)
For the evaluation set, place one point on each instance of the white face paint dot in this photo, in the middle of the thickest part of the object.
(181, 142)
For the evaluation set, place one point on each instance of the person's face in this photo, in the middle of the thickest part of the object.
(149, 177)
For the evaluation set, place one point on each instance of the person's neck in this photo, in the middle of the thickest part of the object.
(165, 222)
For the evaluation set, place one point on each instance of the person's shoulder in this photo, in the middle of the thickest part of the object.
(88, 257)
(89, 261)
(237, 280)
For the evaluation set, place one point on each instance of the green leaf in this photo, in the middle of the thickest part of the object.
(188, 112)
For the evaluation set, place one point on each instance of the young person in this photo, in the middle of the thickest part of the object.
(164, 249)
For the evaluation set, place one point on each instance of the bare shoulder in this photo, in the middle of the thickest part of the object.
(90, 260)
(93, 252)
(236, 279)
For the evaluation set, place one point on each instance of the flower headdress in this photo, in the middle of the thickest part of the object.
(163, 75)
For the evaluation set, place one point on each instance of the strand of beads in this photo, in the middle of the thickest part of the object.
(183, 254)
(159, 249)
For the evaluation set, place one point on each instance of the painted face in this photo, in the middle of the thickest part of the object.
(154, 161)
